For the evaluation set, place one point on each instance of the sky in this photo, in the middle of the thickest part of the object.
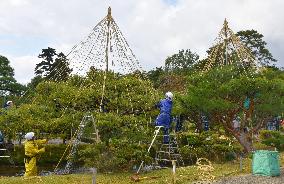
(154, 29)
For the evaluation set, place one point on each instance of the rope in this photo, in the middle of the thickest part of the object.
(103, 92)
(205, 169)
(75, 134)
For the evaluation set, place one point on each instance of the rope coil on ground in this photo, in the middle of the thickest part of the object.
(205, 167)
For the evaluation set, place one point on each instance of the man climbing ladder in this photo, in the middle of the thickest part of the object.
(164, 118)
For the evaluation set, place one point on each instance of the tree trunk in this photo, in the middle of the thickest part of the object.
(199, 126)
(243, 136)
(245, 140)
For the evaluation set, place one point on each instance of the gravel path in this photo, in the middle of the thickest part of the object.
(250, 179)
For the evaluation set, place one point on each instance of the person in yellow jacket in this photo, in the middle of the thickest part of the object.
(32, 151)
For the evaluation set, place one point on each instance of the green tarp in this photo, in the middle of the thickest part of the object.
(265, 163)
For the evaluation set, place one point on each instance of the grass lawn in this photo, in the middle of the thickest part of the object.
(183, 175)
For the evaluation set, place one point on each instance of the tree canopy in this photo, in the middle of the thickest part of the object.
(254, 41)
(123, 104)
(53, 69)
(8, 84)
(183, 61)
(57, 106)
(221, 93)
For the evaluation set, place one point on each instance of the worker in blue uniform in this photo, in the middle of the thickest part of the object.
(164, 118)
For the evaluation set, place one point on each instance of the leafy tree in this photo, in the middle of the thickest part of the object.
(254, 41)
(34, 82)
(172, 82)
(60, 68)
(43, 68)
(155, 75)
(58, 107)
(172, 77)
(183, 61)
(53, 69)
(8, 84)
(221, 93)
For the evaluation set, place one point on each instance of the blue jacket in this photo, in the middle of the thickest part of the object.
(164, 118)
(165, 106)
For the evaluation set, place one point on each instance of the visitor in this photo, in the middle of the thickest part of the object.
(237, 123)
(164, 118)
(179, 122)
(8, 104)
(282, 122)
(1, 138)
(32, 151)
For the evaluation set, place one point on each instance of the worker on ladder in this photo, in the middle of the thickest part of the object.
(164, 118)
(32, 151)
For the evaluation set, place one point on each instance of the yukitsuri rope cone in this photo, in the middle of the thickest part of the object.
(228, 49)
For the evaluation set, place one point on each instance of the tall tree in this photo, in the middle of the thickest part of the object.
(47, 55)
(254, 41)
(183, 61)
(155, 75)
(53, 69)
(60, 69)
(172, 77)
(172, 82)
(8, 84)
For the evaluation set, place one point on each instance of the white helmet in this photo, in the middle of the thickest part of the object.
(8, 102)
(29, 135)
(169, 95)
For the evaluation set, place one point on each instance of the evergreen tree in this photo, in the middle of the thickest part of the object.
(254, 41)
(53, 69)
(183, 61)
(8, 84)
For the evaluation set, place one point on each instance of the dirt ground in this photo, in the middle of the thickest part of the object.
(250, 179)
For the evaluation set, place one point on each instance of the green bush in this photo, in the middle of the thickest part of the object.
(51, 157)
(272, 139)
(207, 145)
(261, 146)
(118, 155)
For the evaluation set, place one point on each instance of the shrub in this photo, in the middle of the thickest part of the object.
(272, 138)
(208, 145)
(52, 155)
(118, 155)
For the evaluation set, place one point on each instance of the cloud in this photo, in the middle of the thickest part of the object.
(154, 29)
(24, 67)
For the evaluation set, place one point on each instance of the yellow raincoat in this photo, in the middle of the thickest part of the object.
(31, 153)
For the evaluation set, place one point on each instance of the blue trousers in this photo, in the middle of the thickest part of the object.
(164, 120)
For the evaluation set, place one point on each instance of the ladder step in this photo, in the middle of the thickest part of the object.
(170, 147)
(166, 144)
(161, 167)
(157, 127)
(4, 156)
(3, 149)
(163, 152)
(176, 154)
(163, 159)
(170, 154)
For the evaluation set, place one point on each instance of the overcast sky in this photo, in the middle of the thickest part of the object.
(154, 29)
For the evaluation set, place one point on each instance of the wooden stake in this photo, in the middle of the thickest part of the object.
(174, 171)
